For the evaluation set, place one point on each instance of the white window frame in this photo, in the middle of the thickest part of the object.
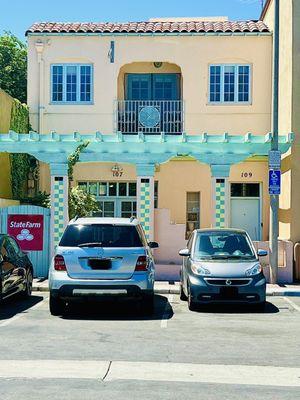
(65, 66)
(236, 88)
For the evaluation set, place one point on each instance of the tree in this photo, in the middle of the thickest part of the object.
(81, 203)
(13, 66)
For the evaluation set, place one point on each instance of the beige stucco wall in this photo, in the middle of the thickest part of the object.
(192, 54)
(8, 202)
(289, 118)
(295, 179)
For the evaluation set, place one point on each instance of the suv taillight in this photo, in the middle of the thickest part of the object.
(141, 264)
(59, 263)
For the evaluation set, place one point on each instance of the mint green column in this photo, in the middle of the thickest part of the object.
(145, 198)
(59, 202)
(220, 203)
(220, 194)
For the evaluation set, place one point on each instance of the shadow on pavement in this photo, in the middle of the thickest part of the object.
(270, 308)
(15, 305)
(118, 309)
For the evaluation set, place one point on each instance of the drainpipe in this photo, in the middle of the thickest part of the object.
(39, 46)
(274, 199)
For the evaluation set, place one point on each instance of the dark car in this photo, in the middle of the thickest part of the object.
(15, 269)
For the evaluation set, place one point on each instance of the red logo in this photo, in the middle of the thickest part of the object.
(28, 230)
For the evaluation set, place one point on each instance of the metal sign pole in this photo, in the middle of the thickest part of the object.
(274, 198)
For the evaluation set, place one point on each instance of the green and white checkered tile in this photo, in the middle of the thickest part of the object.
(58, 205)
(220, 204)
(145, 211)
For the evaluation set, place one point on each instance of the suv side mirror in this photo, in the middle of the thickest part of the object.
(184, 252)
(262, 253)
(153, 245)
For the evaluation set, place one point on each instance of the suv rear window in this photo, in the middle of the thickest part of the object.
(103, 235)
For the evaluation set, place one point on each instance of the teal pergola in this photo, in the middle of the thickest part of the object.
(145, 152)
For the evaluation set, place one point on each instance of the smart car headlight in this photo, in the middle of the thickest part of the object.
(200, 270)
(255, 270)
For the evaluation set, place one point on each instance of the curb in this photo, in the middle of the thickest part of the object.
(285, 294)
(175, 290)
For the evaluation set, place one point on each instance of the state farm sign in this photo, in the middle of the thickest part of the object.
(28, 230)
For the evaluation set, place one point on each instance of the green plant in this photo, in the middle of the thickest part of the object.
(20, 167)
(13, 66)
(81, 203)
(41, 199)
(19, 118)
(74, 158)
(21, 164)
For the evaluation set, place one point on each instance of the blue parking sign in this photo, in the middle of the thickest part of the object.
(274, 181)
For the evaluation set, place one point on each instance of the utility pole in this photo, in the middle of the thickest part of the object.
(274, 198)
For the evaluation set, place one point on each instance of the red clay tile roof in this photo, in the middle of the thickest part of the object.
(150, 27)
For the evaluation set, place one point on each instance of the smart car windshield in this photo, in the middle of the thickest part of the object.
(220, 245)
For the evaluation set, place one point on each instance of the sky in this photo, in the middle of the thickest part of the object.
(17, 15)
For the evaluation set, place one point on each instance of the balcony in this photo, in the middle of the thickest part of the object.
(150, 116)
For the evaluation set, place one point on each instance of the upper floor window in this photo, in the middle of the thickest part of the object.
(229, 83)
(71, 83)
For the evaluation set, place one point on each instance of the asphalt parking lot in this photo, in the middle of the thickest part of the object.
(108, 350)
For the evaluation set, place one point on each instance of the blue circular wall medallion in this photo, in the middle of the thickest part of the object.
(149, 116)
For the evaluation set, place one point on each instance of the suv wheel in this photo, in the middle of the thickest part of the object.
(56, 305)
(147, 304)
(260, 307)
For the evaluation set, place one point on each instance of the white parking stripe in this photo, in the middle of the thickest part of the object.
(205, 373)
(167, 312)
(22, 314)
(53, 369)
(294, 305)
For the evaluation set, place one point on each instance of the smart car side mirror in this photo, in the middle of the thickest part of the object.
(262, 253)
(153, 245)
(184, 252)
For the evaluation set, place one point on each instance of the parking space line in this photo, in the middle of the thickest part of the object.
(22, 314)
(205, 373)
(294, 305)
(167, 311)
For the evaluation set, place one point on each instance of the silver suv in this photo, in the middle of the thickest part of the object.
(99, 257)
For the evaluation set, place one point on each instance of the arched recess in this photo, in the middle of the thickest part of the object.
(150, 67)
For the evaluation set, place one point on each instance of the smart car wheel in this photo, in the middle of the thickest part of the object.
(183, 296)
(191, 304)
(56, 305)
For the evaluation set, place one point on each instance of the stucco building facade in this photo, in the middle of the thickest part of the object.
(204, 86)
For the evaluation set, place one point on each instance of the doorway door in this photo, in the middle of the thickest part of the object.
(153, 87)
(245, 207)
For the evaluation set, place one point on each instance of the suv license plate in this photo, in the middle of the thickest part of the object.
(100, 263)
